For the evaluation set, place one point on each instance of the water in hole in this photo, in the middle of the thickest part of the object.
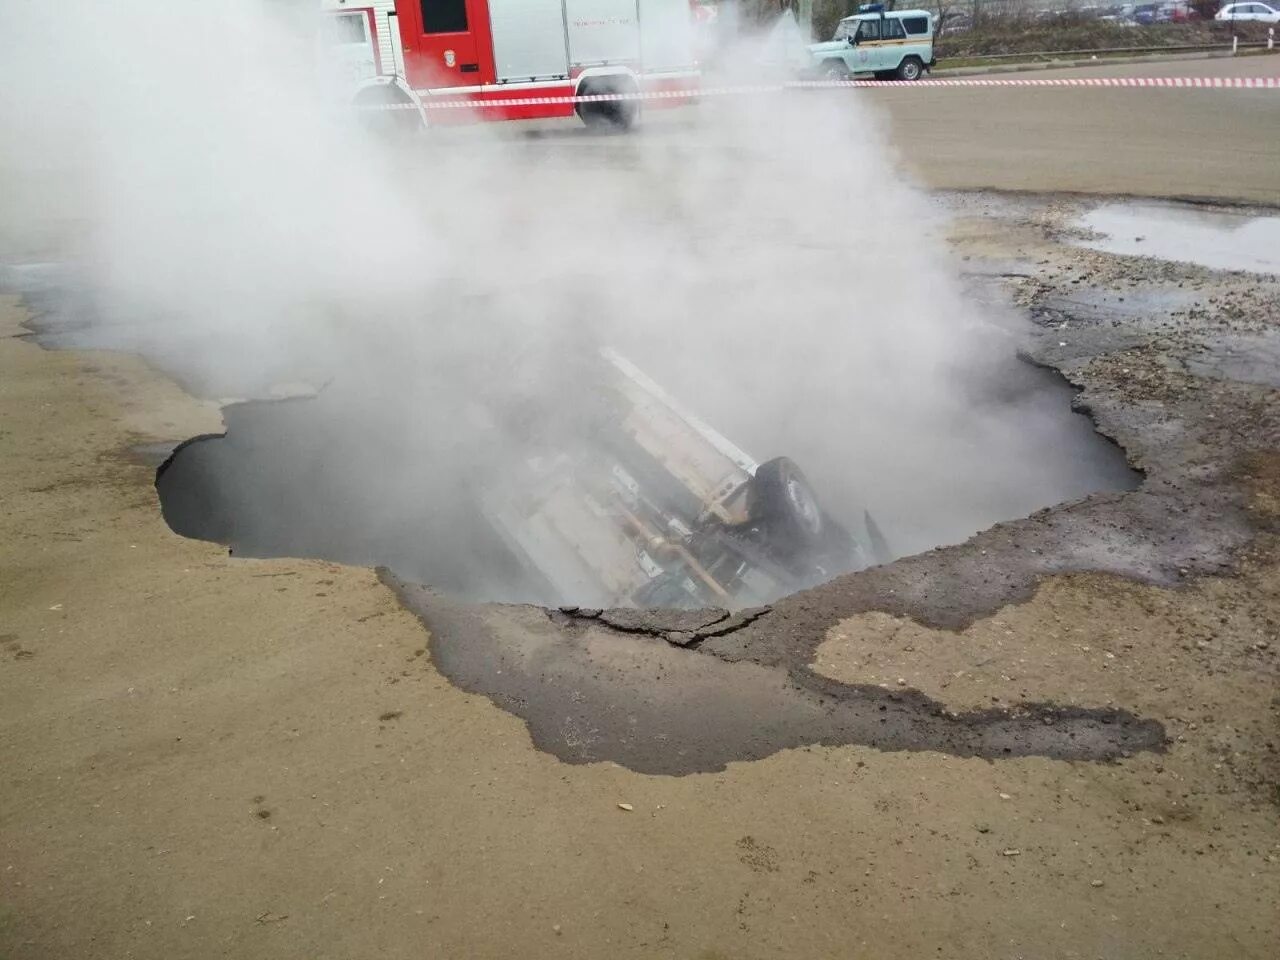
(1221, 240)
(638, 501)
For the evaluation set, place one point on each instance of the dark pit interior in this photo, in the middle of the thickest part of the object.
(349, 477)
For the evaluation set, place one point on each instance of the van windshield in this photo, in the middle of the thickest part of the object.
(845, 29)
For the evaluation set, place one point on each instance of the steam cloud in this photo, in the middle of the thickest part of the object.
(766, 259)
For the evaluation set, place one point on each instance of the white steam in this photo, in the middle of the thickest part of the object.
(763, 257)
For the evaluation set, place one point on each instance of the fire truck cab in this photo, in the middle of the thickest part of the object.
(442, 61)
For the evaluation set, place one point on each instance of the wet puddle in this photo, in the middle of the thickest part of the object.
(1218, 239)
(589, 694)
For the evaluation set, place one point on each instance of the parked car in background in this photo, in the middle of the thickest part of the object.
(891, 45)
(1258, 12)
(953, 22)
(1146, 14)
(1121, 15)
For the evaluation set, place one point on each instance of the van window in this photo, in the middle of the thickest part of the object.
(916, 25)
(869, 30)
(892, 29)
(444, 16)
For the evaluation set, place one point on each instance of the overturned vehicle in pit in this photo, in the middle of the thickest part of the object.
(658, 509)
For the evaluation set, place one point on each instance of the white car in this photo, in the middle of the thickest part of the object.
(1259, 12)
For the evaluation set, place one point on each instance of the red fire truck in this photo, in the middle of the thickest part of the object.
(425, 57)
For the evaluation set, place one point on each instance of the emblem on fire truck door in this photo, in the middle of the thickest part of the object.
(450, 58)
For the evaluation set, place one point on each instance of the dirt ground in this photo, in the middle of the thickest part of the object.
(214, 756)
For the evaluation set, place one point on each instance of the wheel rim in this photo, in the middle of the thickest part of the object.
(806, 506)
(911, 70)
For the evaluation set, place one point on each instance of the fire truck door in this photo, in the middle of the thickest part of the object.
(448, 51)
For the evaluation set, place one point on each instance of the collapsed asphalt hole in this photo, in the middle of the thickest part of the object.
(337, 477)
(633, 500)
(449, 493)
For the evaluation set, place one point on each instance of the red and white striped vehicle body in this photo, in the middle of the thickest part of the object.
(436, 54)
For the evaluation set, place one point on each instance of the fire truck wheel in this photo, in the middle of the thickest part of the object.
(784, 503)
(608, 114)
(404, 119)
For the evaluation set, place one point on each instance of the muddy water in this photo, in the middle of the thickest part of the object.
(590, 694)
(1219, 239)
(301, 478)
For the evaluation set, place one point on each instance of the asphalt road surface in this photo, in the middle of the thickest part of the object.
(1222, 144)
(1194, 144)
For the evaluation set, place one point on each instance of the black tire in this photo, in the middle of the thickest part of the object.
(608, 115)
(910, 69)
(835, 69)
(783, 503)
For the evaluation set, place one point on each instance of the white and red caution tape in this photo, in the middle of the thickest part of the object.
(434, 100)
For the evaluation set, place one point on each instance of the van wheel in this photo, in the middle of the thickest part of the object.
(910, 68)
(605, 115)
(784, 504)
(835, 70)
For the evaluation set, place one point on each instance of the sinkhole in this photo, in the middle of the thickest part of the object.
(616, 493)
